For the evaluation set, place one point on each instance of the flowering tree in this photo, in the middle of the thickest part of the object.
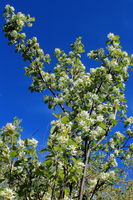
(85, 153)
(22, 175)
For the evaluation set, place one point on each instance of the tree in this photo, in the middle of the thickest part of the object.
(86, 155)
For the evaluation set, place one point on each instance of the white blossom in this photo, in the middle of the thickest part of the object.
(119, 135)
(21, 154)
(115, 44)
(111, 48)
(40, 51)
(112, 143)
(107, 61)
(109, 77)
(112, 174)
(94, 96)
(14, 33)
(57, 50)
(34, 39)
(20, 23)
(112, 156)
(114, 163)
(21, 15)
(67, 198)
(73, 150)
(60, 164)
(116, 102)
(127, 61)
(125, 53)
(114, 63)
(94, 134)
(104, 175)
(63, 140)
(78, 139)
(129, 120)
(99, 129)
(111, 36)
(80, 165)
(100, 118)
(10, 7)
(128, 156)
(84, 114)
(100, 107)
(91, 54)
(116, 90)
(52, 76)
(112, 116)
(116, 152)
(21, 143)
(47, 196)
(10, 126)
(33, 142)
(93, 182)
(92, 70)
(7, 194)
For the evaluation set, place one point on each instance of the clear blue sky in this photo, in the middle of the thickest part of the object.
(58, 23)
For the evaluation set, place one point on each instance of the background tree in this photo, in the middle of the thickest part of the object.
(85, 154)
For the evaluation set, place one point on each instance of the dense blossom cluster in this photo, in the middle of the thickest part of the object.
(7, 194)
(82, 150)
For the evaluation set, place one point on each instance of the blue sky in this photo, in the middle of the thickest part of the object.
(58, 23)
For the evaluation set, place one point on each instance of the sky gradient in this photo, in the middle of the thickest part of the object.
(58, 23)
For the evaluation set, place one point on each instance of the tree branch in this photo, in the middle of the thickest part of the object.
(61, 106)
(86, 161)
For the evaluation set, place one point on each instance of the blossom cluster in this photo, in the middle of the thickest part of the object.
(7, 194)
(91, 103)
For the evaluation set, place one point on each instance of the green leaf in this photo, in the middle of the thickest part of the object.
(52, 130)
(117, 69)
(94, 143)
(35, 155)
(117, 107)
(56, 115)
(116, 37)
(114, 122)
(71, 142)
(48, 162)
(74, 178)
(65, 120)
(73, 159)
(13, 154)
(26, 142)
(103, 126)
(119, 85)
(108, 42)
(29, 151)
(43, 150)
(58, 148)
(66, 190)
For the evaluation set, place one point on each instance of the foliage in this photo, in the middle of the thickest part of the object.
(85, 153)
(19, 165)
